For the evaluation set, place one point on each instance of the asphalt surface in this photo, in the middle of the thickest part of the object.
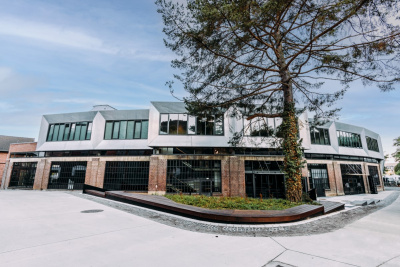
(48, 228)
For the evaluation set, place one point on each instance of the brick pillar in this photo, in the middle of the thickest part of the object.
(332, 180)
(225, 177)
(365, 172)
(101, 171)
(338, 178)
(4, 175)
(91, 172)
(157, 175)
(37, 185)
(46, 174)
(7, 176)
(304, 173)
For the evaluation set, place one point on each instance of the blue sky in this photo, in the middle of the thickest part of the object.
(66, 56)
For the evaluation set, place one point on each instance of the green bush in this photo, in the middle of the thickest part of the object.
(238, 203)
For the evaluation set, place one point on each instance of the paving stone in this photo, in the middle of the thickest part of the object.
(359, 203)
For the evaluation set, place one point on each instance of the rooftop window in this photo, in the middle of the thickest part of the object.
(319, 136)
(184, 124)
(349, 139)
(74, 131)
(137, 129)
(372, 144)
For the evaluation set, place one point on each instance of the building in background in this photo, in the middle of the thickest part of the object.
(5, 142)
(164, 149)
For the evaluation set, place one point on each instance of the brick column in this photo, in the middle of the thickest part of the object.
(3, 174)
(101, 171)
(304, 173)
(46, 174)
(91, 172)
(225, 177)
(157, 175)
(365, 172)
(332, 180)
(338, 178)
(37, 185)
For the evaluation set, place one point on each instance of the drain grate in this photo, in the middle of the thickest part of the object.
(91, 211)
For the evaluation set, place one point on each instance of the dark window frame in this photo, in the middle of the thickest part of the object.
(196, 125)
(135, 122)
(68, 132)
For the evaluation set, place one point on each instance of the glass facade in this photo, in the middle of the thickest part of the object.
(194, 176)
(127, 175)
(372, 144)
(74, 131)
(261, 126)
(373, 172)
(23, 174)
(184, 124)
(67, 175)
(347, 139)
(319, 136)
(137, 129)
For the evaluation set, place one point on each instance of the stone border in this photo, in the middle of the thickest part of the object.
(316, 225)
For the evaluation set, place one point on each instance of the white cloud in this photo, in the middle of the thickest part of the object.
(11, 82)
(77, 39)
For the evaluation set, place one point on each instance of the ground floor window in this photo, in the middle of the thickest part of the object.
(318, 178)
(127, 175)
(353, 182)
(67, 175)
(194, 176)
(23, 174)
(264, 179)
(373, 172)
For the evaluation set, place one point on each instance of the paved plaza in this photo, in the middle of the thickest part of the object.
(48, 228)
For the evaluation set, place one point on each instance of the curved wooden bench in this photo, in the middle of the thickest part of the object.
(227, 216)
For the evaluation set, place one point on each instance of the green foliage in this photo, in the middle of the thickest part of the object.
(238, 203)
(263, 58)
(397, 169)
(396, 143)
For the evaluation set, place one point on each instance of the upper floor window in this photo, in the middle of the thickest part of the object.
(261, 126)
(349, 139)
(137, 129)
(372, 144)
(184, 124)
(319, 136)
(73, 131)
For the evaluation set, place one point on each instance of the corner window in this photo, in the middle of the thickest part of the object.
(319, 136)
(372, 144)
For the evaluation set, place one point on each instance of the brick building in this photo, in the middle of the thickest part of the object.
(5, 142)
(166, 150)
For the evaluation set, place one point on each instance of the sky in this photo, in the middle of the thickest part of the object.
(66, 56)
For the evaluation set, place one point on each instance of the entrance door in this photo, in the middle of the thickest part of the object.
(353, 185)
(372, 185)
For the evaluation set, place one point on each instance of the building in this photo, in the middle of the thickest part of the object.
(165, 150)
(5, 142)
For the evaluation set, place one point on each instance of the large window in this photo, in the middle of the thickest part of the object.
(127, 175)
(23, 174)
(261, 126)
(372, 144)
(349, 139)
(73, 131)
(137, 129)
(67, 175)
(194, 176)
(184, 124)
(319, 136)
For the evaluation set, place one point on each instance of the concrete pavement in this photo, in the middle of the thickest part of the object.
(47, 228)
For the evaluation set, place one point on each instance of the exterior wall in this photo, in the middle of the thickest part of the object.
(3, 159)
(335, 175)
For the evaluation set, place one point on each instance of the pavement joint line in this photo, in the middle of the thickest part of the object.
(388, 260)
(279, 243)
(302, 228)
(275, 257)
(71, 239)
(323, 257)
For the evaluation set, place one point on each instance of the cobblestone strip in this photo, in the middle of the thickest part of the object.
(316, 225)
